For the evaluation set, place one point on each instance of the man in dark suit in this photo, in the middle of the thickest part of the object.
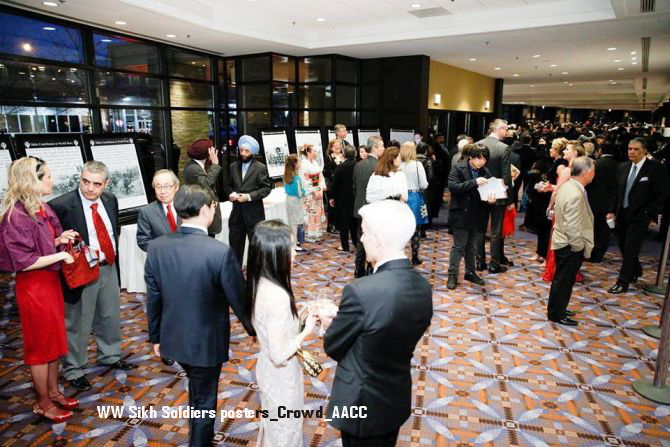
(248, 185)
(362, 173)
(191, 282)
(641, 188)
(342, 199)
(499, 167)
(96, 307)
(372, 337)
(601, 192)
(204, 169)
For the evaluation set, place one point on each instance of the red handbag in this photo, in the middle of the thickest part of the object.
(508, 222)
(79, 273)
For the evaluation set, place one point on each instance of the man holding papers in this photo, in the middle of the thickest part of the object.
(468, 179)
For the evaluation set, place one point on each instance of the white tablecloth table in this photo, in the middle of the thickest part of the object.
(131, 258)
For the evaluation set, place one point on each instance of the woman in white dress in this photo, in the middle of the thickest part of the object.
(315, 185)
(387, 182)
(275, 318)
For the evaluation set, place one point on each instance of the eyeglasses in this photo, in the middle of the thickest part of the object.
(164, 187)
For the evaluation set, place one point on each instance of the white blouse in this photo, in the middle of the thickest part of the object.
(380, 187)
(308, 167)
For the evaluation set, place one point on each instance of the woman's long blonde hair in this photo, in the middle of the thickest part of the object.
(24, 180)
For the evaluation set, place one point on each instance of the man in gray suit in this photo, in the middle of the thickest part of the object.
(499, 166)
(362, 173)
(204, 169)
(159, 217)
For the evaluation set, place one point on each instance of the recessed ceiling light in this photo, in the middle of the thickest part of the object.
(120, 22)
(472, 59)
(553, 65)
(50, 3)
(565, 82)
(320, 19)
(497, 68)
(415, 5)
(27, 47)
(634, 58)
(633, 52)
(170, 35)
(613, 83)
(617, 60)
(106, 40)
(532, 86)
(564, 73)
(537, 55)
(571, 85)
(611, 49)
(49, 28)
(633, 63)
(620, 69)
(516, 75)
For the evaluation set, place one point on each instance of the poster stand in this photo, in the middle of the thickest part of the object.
(275, 149)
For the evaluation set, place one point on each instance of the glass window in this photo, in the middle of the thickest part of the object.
(253, 69)
(188, 126)
(283, 95)
(346, 70)
(147, 122)
(125, 53)
(254, 96)
(20, 81)
(283, 68)
(345, 96)
(371, 70)
(44, 119)
(190, 94)
(316, 97)
(349, 119)
(370, 119)
(35, 38)
(315, 69)
(188, 65)
(370, 96)
(250, 123)
(315, 118)
(227, 86)
(283, 118)
(127, 89)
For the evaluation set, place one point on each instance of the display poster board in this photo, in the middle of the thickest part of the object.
(275, 148)
(364, 134)
(331, 136)
(402, 135)
(313, 137)
(64, 153)
(7, 155)
(120, 154)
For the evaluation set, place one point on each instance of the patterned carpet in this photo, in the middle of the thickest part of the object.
(490, 370)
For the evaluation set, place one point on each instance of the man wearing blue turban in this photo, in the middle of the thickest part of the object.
(248, 184)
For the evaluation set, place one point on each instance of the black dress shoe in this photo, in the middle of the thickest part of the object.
(167, 362)
(422, 233)
(507, 262)
(570, 313)
(634, 279)
(472, 277)
(119, 364)
(565, 321)
(481, 266)
(80, 383)
(451, 283)
(416, 261)
(499, 269)
(618, 288)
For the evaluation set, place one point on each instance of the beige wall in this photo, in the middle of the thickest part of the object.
(460, 89)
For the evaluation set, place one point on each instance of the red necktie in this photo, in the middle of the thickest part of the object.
(103, 236)
(170, 219)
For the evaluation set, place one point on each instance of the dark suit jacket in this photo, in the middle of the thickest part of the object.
(648, 193)
(151, 223)
(257, 184)
(195, 174)
(499, 164)
(192, 280)
(342, 190)
(373, 336)
(362, 173)
(70, 212)
(466, 208)
(602, 190)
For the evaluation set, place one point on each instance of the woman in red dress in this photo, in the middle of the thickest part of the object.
(30, 236)
(572, 151)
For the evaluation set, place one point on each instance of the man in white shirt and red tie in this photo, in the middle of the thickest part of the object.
(93, 213)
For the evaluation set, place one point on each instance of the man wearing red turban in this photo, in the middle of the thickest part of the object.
(204, 169)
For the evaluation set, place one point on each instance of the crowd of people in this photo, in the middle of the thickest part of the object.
(571, 181)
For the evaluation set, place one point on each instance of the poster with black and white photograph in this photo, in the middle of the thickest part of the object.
(313, 137)
(64, 153)
(119, 153)
(364, 134)
(275, 147)
(349, 138)
(6, 157)
(402, 135)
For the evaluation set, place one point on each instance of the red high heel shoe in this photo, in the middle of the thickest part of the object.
(59, 417)
(65, 402)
